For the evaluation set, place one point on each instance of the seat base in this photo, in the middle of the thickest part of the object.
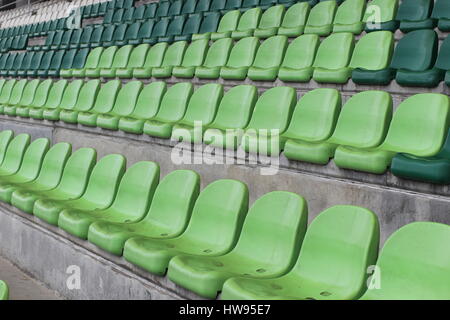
(434, 169)
(429, 78)
(408, 26)
(367, 160)
(314, 152)
(373, 77)
(323, 75)
(324, 30)
(295, 75)
(239, 73)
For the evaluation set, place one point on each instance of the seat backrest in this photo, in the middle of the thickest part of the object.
(243, 52)
(49, 39)
(219, 222)
(273, 231)
(315, 115)
(160, 28)
(415, 257)
(104, 179)
(373, 51)
(322, 13)
(107, 58)
(419, 125)
(301, 52)
(233, 4)
(17, 92)
(188, 6)
(132, 31)
(414, 10)
(121, 57)
(15, 152)
(5, 138)
(416, 51)
(271, 52)
(36, 60)
(173, 201)
(32, 159)
(174, 54)
(126, 98)
(119, 32)
(86, 34)
(175, 8)
(58, 37)
(175, 26)
(195, 53)
(108, 17)
(47, 59)
(235, 108)
(88, 95)
(203, 104)
(210, 23)
(218, 53)
(296, 15)
(156, 55)
(249, 3)
(149, 100)
(250, 19)
(94, 58)
(10, 61)
(42, 93)
(192, 24)
(175, 101)
(97, 34)
(108, 33)
(70, 96)
(229, 21)
(217, 5)
(106, 96)
(335, 51)
(67, 59)
(138, 14)
(203, 5)
(80, 58)
(345, 237)
(28, 92)
(273, 109)
(18, 61)
(150, 10)
(350, 12)
(137, 56)
(145, 31)
(66, 36)
(441, 10)
(271, 18)
(55, 94)
(128, 15)
(364, 120)
(379, 11)
(118, 15)
(443, 59)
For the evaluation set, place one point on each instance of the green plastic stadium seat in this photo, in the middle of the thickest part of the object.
(275, 223)
(4, 290)
(165, 218)
(216, 58)
(226, 220)
(16, 65)
(28, 171)
(208, 26)
(201, 110)
(320, 19)
(193, 57)
(147, 106)
(217, 5)
(227, 24)
(36, 61)
(16, 95)
(414, 59)
(50, 61)
(313, 122)
(39, 100)
(74, 40)
(297, 65)
(202, 5)
(138, 14)
(117, 37)
(162, 10)
(415, 15)
(241, 58)
(233, 113)
(137, 60)
(150, 10)
(380, 15)
(107, 36)
(294, 20)
(414, 264)
(105, 62)
(84, 38)
(5, 138)
(124, 106)
(441, 12)
(172, 109)
(270, 22)
(96, 37)
(104, 103)
(15, 150)
(188, 6)
(68, 101)
(371, 59)
(174, 28)
(131, 34)
(130, 204)
(172, 58)
(9, 64)
(332, 239)
(6, 93)
(78, 63)
(159, 30)
(349, 16)
(93, 188)
(333, 57)
(120, 61)
(153, 59)
(269, 120)
(53, 101)
(232, 5)
(268, 59)
(65, 63)
(53, 164)
(247, 24)
(26, 98)
(92, 61)
(191, 27)
(145, 32)
(86, 100)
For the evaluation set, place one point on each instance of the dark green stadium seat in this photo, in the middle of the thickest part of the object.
(102, 8)
(107, 36)
(75, 40)
(232, 5)
(35, 63)
(117, 18)
(188, 6)
(154, 58)
(130, 35)
(283, 213)
(163, 9)
(65, 40)
(85, 38)
(266, 4)
(159, 30)
(78, 63)
(3, 59)
(92, 61)
(217, 5)
(127, 16)
(441, 12)
(415, 15)
(191, 26)
(56, 41)
(117, 37)
(202, 5)
(96, 37)
(51, 68)
(138, 14)
(240, 59)
(216, 58)
(9, 64)
(175, 8)
(380, 15)
(150, 11)
(145, 32)
(443, 60)
(67, 62)
(209, 25)
(86, 101)
(17, 64)
(247, 4)
(414, 59)
(174, 28)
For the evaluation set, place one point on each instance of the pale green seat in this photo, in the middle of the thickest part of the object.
(380, 15)
(120, 61)
(6, 93)
(137, 60)
(209, 232)
(299, 58)
(313, 121)
(216, 58)
(294, 20)
(200, 111)
(268, 247)
(4, 290)
(172, 58)
(349, 16)
(414, 264)
(240, 59)
(15, 96)
(154, 58)
(104, 103)
(340, 245)
(419, 127)
(333, 57)
(193, 57)
(68, 101)
(13, 152)
(39, 99)
(232, 116)
(124, 105)
(228, 23)
(5, 138)
(269, 120)
(247, 24)
(320, 19)
(86, 100)
(53, 101)
(270, 22)
(165, 218)
(172, 109)
(268, 59)
(26, 98)
(105, 62)
(147, 107)
(92, 62)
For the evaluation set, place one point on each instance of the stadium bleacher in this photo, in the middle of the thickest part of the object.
(354, 85)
